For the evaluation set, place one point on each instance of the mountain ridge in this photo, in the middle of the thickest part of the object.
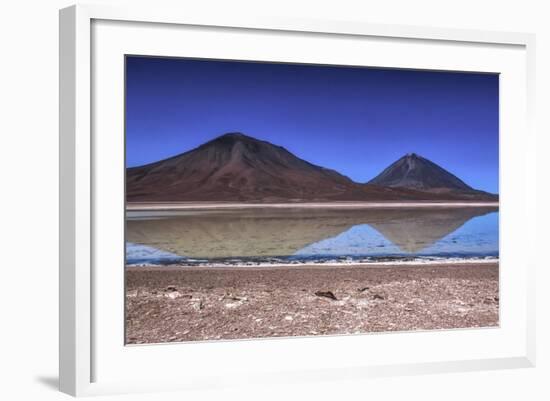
(238, 167)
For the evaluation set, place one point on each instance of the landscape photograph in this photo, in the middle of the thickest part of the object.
(279, 199)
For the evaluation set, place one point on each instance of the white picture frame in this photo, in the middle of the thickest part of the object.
(82, 216)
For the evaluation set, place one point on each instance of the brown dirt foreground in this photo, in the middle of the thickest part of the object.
(171, 304)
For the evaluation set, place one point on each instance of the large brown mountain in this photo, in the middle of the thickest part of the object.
(237, 167)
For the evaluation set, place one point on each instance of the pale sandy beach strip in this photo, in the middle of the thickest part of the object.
(350, 265)
(137, 206)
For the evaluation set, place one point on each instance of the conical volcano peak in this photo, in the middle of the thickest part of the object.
(413, 158)
(416, 172)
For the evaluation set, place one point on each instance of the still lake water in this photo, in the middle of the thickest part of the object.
(298, 235)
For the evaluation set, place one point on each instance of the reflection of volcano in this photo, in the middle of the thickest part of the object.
(280, 232)
(412, 232)
(248, 233)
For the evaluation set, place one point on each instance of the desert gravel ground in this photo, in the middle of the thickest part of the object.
(173, 304)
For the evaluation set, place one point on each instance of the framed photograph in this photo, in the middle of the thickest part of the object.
(274, 200)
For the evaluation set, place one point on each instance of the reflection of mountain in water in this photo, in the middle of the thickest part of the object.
(414, 232)
(281, 232)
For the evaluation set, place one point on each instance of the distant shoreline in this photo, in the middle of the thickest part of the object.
(145, 206)
(332, 265)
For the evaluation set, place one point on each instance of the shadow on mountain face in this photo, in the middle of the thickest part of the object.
(271, 232)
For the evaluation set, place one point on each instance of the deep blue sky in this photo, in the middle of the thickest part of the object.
(354, 120)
